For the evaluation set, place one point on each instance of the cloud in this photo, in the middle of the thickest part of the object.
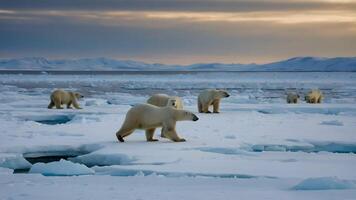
(179, 5)
(178, 31)
(118, 17)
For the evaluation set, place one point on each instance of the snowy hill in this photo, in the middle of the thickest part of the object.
(312, 64)
(40, 63)
(292, 64)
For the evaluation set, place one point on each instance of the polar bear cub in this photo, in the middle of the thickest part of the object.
(211, 97)
(162, 100)
(61, 97)
(150, 117)
(314, 96)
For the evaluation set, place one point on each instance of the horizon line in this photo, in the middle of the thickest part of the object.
(153, 63)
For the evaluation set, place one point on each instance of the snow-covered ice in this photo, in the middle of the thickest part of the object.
(324, 183)
(61, 168)
(258, 146)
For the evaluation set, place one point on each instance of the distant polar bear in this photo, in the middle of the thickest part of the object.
(292, 97)
(210, 97)
(61, 97)
(162, 100)
(150, 117)
(314, 96)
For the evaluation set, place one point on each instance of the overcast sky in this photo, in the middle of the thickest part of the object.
(178, 31)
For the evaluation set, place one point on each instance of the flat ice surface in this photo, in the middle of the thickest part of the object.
(257, 147)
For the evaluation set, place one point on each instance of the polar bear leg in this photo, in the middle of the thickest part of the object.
(200, 107)
(51, 104)
(206, 107)
(121, 134)
(69, 105)
(162, 133)
(313, 100)
(75, 104)
(149, 135)
(57, 103)
(216, 105)
(124, 131)
(170, 133)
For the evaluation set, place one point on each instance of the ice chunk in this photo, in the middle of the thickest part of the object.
(118, 171)
(61, 168)
(224, 150)
(332, 123)
(84, 119)
(93, 159)
(15, 162)
(275, 148)
(95, 102)
(5, 171)
(230, 137)
(324, 183)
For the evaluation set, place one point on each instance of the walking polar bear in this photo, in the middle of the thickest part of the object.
(314, 96)
(292, 97)
(150, 117)
(162, 100)
(61, 97)
(211, 97)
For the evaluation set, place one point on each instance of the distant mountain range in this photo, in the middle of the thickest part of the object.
(106, 64)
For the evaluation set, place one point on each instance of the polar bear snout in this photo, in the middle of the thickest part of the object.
(78, 95)
(225, 94)
(195, 118)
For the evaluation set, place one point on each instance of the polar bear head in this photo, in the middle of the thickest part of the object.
(175, 102)
(77, 95)
(172, 103)
(221, 94)
(184, 115)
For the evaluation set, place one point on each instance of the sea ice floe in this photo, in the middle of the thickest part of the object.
(14, 162)
(332, 123)
(225, 150)
(324, 183)
(333, 147)
(93, 159)
(117, 171)
(61, 168)
(95, 102)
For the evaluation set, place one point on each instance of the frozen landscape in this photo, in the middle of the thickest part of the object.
(301, 64)
(258, 147)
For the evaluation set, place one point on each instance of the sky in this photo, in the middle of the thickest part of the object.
(178, 31)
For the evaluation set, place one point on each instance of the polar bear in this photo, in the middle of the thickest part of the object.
(162, 100)
(314, 96)
(210, 97)
(292, 97)
(60, 97)
(150, 117)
